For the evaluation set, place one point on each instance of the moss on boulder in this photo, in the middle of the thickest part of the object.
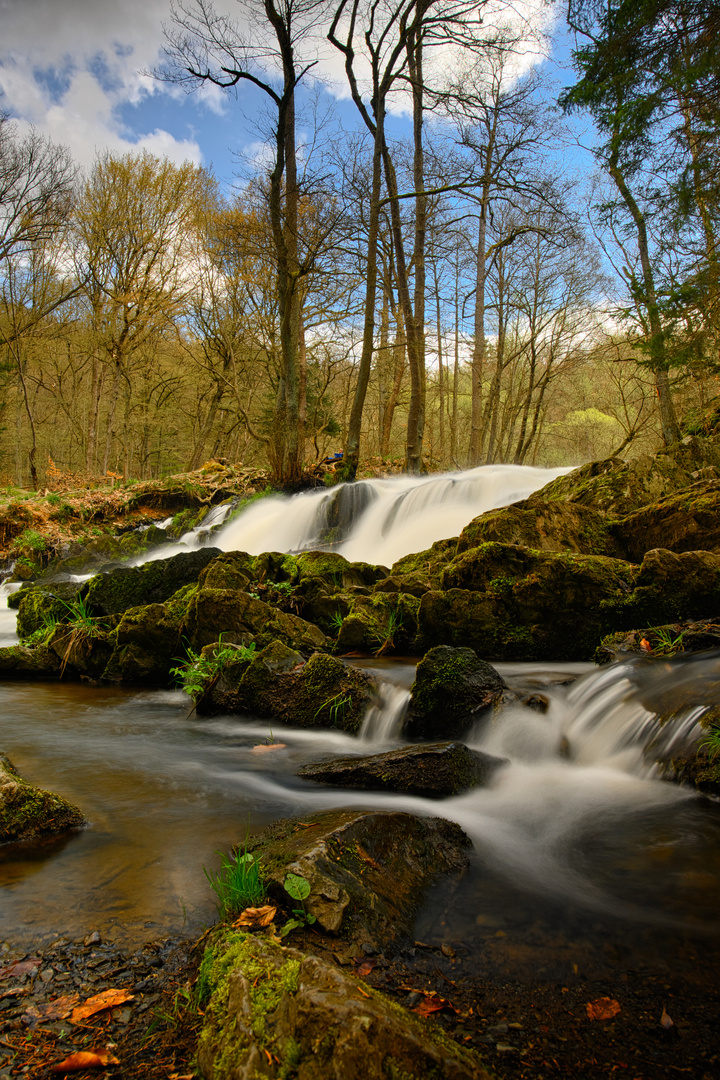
(275, 1012)
(452, 687)
(28, 813)
(152, 583)
(277, 684)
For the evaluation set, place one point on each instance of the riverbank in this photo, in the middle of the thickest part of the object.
(661, 1016)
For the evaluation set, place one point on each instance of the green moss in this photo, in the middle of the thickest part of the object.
(27, 812)
(269, 975)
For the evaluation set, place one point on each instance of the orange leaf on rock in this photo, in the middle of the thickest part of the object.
(645, 645)
(85, 1059)
(108, 999)
(430, 1004)
(256, 917)
(366, 967)
(602, 1009)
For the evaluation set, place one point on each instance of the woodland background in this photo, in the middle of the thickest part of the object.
(434, 292)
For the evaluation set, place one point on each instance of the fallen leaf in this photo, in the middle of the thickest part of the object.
(256, 917)
(85, 1059)
(447, 950)
(645, 645)
(108, 999)
(366, 967)
(265, 748)
(20, 967)
(308, 824)
(602, 1009)
(430, 1004)
(59, 1009)
(666, 1021)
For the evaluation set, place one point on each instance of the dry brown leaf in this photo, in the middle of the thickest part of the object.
(256, 917)
(645, 645)
(108, 999)
(20, 967)
(85, 1059)
(59, 1009)
(431, 1003)
(265, 748)
(602, 1009)
(366, 967)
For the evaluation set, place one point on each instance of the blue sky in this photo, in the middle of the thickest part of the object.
(77, 70)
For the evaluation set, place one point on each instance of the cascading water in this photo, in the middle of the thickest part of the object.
(379, 521)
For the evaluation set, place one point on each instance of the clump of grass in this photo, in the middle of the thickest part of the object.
(711, 742)
(196, 674)
(238, 884)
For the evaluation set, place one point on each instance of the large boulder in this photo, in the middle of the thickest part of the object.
(366, 869)
(544, 526)
(275, 1012)
(432, 770)
(687, 520)
(277, 684)
(28, 813)
(152, 583)
(452, 687)
(239, 615)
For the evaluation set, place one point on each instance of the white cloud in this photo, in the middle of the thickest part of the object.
(68, 66)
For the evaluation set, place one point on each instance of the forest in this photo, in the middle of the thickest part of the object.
(431, 287)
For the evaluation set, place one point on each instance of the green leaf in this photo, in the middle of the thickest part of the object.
(291, 924)
(297, 887)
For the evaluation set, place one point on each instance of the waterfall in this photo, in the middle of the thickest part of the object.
(379, 521)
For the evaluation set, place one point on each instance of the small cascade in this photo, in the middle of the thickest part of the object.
(383, 722)
(8, 615)
(379, 521)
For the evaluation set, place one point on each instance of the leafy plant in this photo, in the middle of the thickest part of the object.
(336, 620)
(31, 539)
(197, 673)
(711, 742)
(238, 884)
(80, 617)
(297, 888)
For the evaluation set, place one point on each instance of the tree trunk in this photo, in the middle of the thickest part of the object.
(416, 411)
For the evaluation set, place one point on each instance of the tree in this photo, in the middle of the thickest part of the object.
(641, 64)
(134, 227)
(204, 47)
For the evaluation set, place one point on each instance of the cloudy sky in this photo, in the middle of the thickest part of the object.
(75, 70)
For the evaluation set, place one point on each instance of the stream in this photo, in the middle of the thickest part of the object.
(581, 853)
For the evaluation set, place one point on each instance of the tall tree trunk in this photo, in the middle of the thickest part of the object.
(416, 411)
(351, 455)
(658, 358)
(391, 404)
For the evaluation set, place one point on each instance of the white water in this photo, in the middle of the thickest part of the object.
(165, 790)
(395, 516)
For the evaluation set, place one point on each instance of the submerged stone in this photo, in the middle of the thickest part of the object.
(28, 813)
(432, 770)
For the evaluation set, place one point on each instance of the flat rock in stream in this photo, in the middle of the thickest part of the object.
(276, 1012)
(432, 770)
(366, 869)
(27, 812)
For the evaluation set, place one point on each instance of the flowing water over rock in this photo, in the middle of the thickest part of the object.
(165, 791)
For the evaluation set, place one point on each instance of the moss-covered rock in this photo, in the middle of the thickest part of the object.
(146, 643)
(452, 687)
(25, 662)
(275, 1012)
(367, 869)
(152, 583)
(40, 608)
(278, 685)
(670, 639)
(82, 648)
(433, 770)
(213, 611)
(688, 520)
(544, 526)
(27, 812)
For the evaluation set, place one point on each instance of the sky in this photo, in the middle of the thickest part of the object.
(79, 71)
